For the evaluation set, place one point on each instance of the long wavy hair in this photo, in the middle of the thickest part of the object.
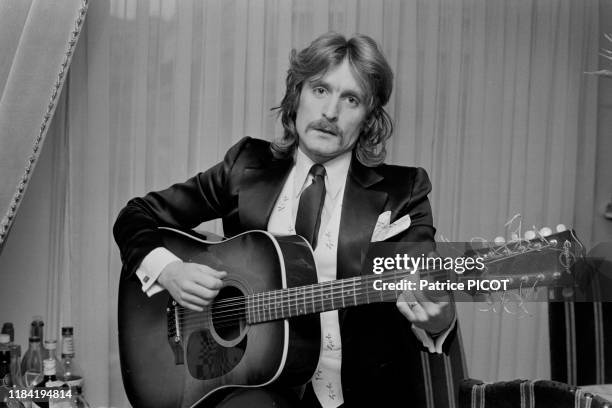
(371, 71)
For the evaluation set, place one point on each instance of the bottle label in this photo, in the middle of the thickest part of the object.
(68, 346)
(49, 366)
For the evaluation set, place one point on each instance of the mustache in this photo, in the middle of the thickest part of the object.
(325, 126)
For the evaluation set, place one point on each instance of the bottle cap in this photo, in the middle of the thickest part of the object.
(5, 339)
(67, 331)
(7, 328)
(50, 344)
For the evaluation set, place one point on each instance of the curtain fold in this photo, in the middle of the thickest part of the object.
(38, 39)
(490, 98)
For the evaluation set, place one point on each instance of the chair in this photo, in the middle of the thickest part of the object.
(584, 325)
(526, 394)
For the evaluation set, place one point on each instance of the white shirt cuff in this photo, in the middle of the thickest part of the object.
(428, 342)
(150, 268)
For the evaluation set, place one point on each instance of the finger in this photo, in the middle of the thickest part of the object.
(419, 311)
(421, 297)
(208, 281)
(202, 292)
(193, 300)
(405, 309)
(405, 305)
(207, 270)
(191, 306)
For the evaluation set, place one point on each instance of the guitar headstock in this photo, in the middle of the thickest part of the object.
(539, 258)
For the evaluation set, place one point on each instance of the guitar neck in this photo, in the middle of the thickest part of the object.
(323, 297)
(544, 262)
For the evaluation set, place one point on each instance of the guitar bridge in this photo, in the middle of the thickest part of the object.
(175, 339)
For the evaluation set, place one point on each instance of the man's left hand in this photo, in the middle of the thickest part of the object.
(432, 316)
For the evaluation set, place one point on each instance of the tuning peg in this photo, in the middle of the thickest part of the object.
(529, 235)
(499, 240)
(545, 231)
(561, 228)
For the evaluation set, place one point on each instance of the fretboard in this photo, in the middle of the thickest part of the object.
(322, 297)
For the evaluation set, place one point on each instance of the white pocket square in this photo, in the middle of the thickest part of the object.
(383, 230)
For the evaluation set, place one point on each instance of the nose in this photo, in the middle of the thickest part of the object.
(331, 108)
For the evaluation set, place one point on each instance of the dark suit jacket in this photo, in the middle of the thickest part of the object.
(380, 355)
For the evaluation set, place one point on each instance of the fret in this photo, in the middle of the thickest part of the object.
(275, 306)
(248, 306)
(262, 301)
(256, 305)
(262, 306)
(268, 306)
(342, 293)
(367, 290)
(312, 298)
(322, 295)
(260, 316)
(282, 304)
(304, 311)
(333, 295)
(296, 301)
(354, 292)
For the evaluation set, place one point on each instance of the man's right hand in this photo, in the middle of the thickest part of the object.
(191, 285)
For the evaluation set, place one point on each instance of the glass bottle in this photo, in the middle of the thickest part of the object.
(5, 361)
(72, 376)
(49, 380)
(11, 374)
(32, 363)
(71, 371)
(36, 330)
(50, 353)
(17, 379)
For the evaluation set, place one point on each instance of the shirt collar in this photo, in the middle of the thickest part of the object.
(336, 171)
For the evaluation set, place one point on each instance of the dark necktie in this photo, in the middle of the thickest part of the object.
(308, 218)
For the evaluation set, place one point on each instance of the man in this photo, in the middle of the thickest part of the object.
(325, 181)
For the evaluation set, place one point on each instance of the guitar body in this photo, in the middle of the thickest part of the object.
(171, 357)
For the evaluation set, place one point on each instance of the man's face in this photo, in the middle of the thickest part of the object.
(330, 115)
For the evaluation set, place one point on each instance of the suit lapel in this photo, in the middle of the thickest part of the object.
(361, 205)
(259, 191)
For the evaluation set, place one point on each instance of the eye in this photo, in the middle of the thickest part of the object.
(353, 101)
(319, 91)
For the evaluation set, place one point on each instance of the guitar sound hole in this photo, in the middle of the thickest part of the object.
(229, 313)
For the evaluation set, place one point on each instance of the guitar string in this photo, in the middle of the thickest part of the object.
(281, 305)
(188, 322)
(220, 323)
(360, 296)
(291, 294)
(219, 320)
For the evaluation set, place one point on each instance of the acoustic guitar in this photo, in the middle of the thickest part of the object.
(263, 327)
